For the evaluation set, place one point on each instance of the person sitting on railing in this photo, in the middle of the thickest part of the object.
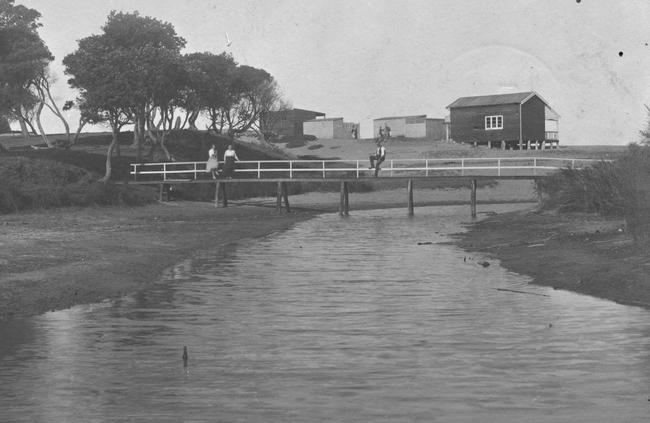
(229, 159)
(212, 165)
(377, 159)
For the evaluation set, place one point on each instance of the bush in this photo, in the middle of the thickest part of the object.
(619, 188)
(36, 184)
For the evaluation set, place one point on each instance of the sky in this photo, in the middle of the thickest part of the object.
(365, 59)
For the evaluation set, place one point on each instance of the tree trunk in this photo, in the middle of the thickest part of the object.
(40, 126)
(24, 130)
(194, 115)
(82, 123)
(58, 113)
(111, 147)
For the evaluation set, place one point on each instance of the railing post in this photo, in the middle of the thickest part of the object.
(391, 167)
(259, 169)
(216, 194)
(164, 171)
(573, 163)
(357, 169)
(498, 167)
(426, 167)
(462, 167)
(323, 169)
(290, 169)
(278, 200)
(535, 166)
(196, 175)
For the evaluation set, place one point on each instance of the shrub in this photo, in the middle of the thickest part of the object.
(618, 188)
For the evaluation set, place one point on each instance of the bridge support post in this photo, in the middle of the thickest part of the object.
(225, 195)
(473, 198)
(409, 189)
(278, 198)
(344, 203)
(216, 194)
(285, 195)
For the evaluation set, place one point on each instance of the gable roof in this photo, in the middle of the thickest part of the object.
(497, 99)
(401, 117)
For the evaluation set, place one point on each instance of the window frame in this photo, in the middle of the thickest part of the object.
(492, 122)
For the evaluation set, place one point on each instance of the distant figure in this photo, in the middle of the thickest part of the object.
(381, 133)
(387, 130)
(229, 159)
(185, 356)
(212, 165)
(377, 159)
(354, 132)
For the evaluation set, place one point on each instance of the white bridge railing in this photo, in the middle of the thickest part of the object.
(322, 169)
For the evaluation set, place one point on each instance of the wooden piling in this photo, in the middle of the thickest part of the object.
(285, 195)
(216, 194)
(409, 189)
(224, 195)
(346, 200)
(278, 198)
(342, 199)
(473, 198)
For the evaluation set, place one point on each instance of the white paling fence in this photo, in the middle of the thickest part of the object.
(334, 169)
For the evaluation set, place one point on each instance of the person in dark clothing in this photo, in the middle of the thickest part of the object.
(229, 159)
(378, 158)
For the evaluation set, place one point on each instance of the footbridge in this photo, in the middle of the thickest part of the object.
(283, 172)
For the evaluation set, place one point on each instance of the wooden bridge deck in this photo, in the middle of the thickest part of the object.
(282, 172)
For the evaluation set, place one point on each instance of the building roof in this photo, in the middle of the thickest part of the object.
(497, 99)
(323, 119)
(401, 117)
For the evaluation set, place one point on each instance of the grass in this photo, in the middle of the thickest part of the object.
(620, 188)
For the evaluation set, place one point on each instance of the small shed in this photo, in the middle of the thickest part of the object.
(329, 128)
(416, 126)
(289, 122)
(510, 120)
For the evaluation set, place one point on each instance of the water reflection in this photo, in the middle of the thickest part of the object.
(335, 320)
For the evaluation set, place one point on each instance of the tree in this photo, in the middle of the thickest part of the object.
(270, 104)
(130, 73)
(244, 98)
(5, 128)
(23, 57)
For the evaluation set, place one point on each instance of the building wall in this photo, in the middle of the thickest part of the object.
(533, 120)
(289, 122)
(319, 128)
(468, 123)
(397, 126)
(436, 129)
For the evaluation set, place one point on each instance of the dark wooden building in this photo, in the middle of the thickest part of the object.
(518, 120)
(289, 122)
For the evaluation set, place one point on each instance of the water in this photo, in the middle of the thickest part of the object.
(335, 320)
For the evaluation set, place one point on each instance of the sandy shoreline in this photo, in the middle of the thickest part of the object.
(55, 259)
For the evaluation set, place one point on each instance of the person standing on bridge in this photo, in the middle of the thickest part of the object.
(229, 159)
(212, 165)
(378, 158)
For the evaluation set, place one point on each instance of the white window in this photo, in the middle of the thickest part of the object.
(494, 122)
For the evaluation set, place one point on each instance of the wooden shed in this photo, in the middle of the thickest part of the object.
(518, 120)
(329, 128)
(289, 122)
(416, 126)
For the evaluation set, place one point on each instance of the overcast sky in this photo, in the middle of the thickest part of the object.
(364, 59)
